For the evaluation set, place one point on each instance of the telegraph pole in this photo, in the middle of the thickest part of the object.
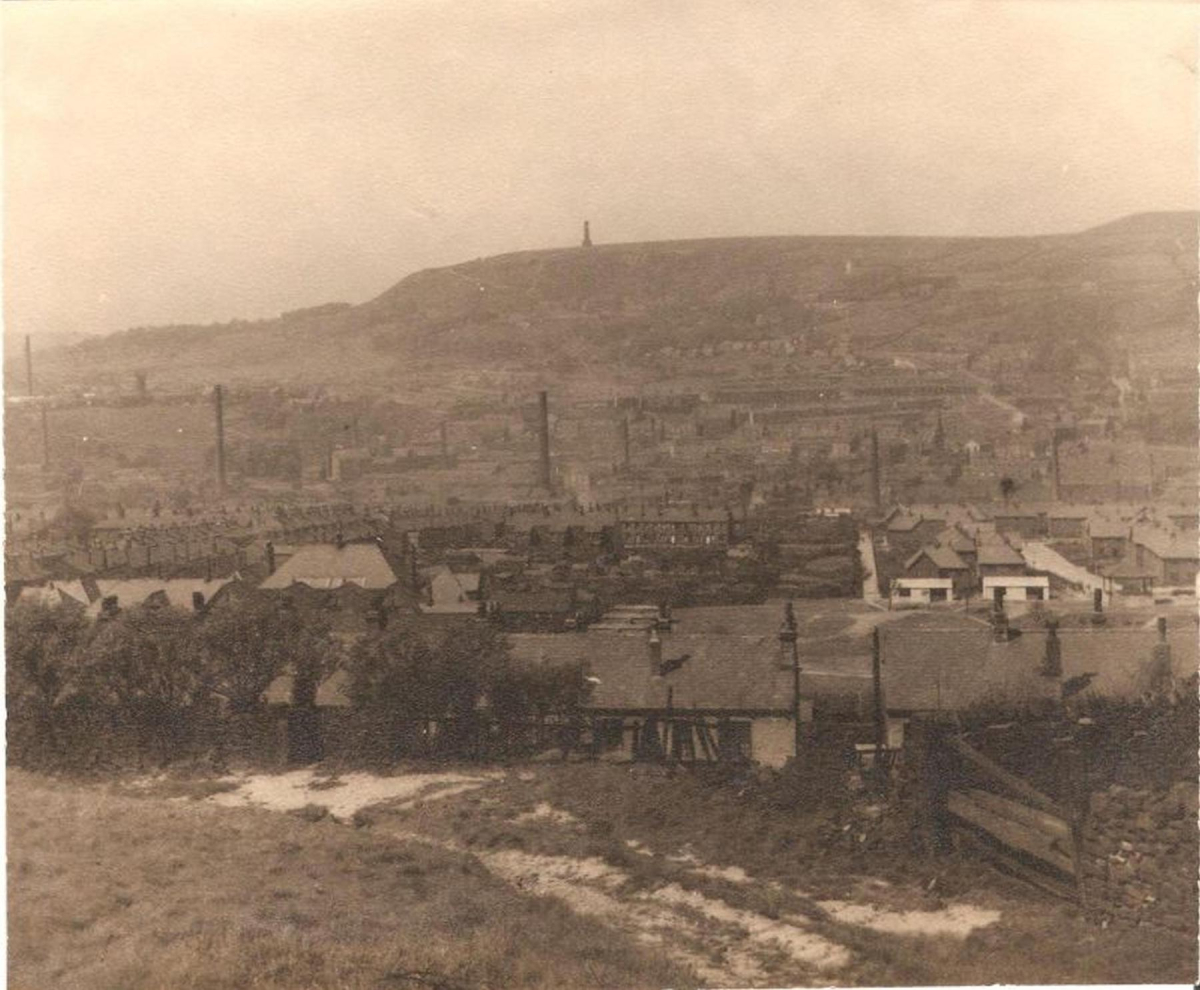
(787, 640)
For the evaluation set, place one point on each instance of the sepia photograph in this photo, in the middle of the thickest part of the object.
(614, 494)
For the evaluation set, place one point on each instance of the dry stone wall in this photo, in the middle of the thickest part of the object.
(1140, 857)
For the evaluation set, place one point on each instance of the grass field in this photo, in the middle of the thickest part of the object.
(563, 875)
(114, 892)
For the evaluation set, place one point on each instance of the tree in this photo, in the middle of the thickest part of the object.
(146, 667)
(42, 656)
(250, 643)
(418, 678)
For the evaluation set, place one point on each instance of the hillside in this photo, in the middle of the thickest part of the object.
(1126, 286)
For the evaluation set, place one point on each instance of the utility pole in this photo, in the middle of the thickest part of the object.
(218, 404)
(787, 641)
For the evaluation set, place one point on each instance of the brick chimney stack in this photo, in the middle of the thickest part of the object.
(587, 234)
(654, 644)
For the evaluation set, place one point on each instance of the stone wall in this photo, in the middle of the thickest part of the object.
(1140, 857)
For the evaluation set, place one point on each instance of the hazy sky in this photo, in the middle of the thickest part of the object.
(180, 161)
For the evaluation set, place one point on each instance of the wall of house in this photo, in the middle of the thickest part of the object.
(1105, 547)
(1067, 529)
(1180, 572)
(772, 740)
(923, 567)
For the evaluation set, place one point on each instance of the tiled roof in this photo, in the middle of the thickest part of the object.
(328, 566)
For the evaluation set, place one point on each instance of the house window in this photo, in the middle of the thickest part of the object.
(733, 740)
(937, 594)
(1037, 594)
(904, 592)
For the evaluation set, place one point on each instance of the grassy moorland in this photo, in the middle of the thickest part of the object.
(112, 891)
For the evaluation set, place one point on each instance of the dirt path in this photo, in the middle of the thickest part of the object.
(345, 794)
(693, 916)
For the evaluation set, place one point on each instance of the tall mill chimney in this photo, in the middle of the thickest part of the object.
(876, 487)
(587, 234)
(1055, 478)
(28, 366)
(625, 440)
(219, 406)
(544, 441)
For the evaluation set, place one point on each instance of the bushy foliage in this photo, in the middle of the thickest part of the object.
(247, 647)
(152, 682)
(420, 688)
(42, 654)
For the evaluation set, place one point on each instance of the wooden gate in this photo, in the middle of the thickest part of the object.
(1003, 818)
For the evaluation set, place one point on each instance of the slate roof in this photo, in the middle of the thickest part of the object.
(943, 558)
(541, 600)
(1108, 529)
(330, 693)
(956, 540)
(134, 591)
(998, 553)
(727, 673)
(903, 522)
(451, 591)
(1168, 544)
(325, 565)
(1127, 567)
(928, 669)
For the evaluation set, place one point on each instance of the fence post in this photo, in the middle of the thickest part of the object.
(1079, 801)
(880, 712)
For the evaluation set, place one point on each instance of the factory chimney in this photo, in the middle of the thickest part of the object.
(1055, 479)
(218, 404)
(876, 495)
(625, 440)
(544, 441)
(445, 444)
(587, 234)
(28, 366)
